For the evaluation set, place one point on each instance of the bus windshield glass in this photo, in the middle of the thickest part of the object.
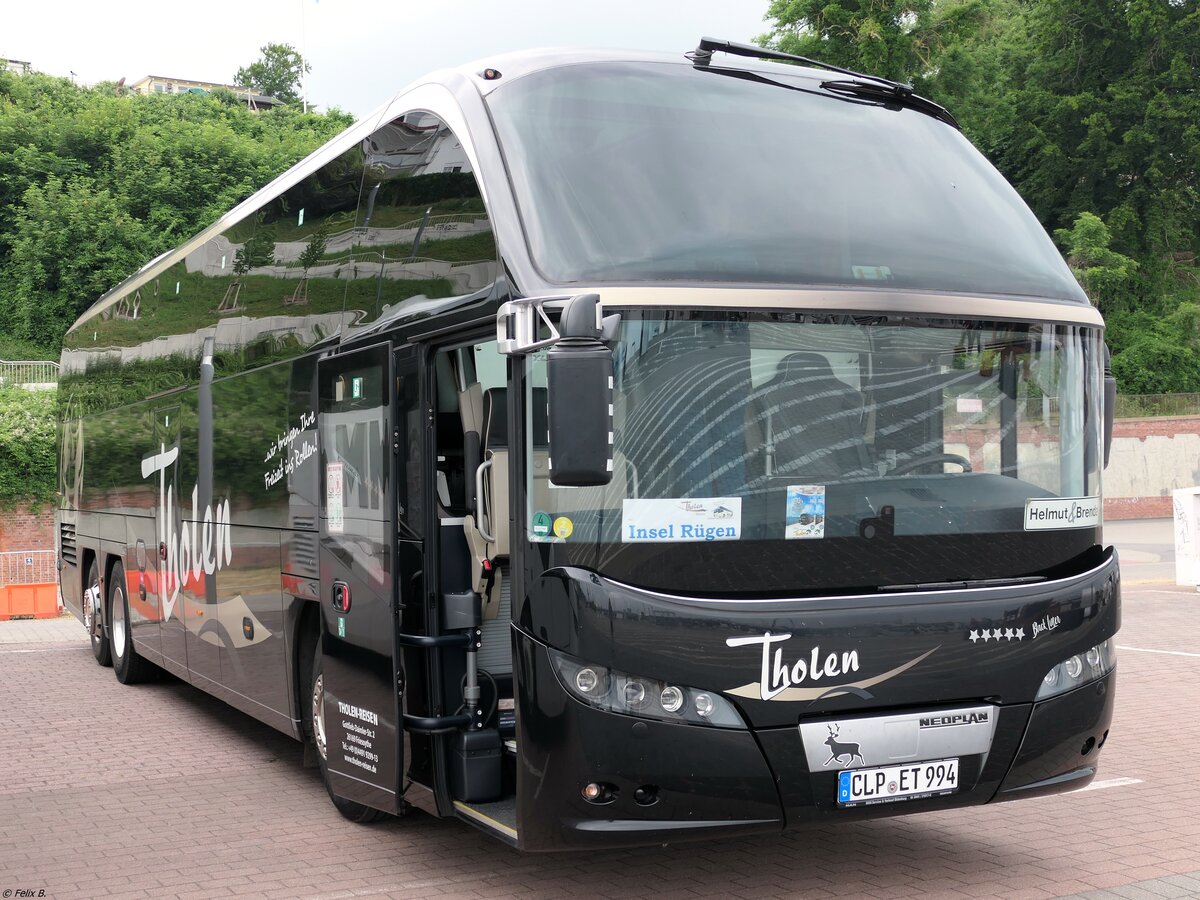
(853, 454)
(642, 172)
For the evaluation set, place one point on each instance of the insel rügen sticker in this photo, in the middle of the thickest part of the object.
(1048, 513)
(696, 519)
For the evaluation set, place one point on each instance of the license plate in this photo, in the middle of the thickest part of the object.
(886, 784)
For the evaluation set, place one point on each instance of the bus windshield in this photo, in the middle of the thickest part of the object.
(636, 172)
(854, 454)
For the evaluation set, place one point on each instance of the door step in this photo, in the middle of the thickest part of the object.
(498, 818)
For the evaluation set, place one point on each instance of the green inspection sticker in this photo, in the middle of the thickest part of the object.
(341, 627)
(541, 524)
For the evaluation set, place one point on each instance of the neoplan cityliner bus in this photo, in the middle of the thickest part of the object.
(614, 448)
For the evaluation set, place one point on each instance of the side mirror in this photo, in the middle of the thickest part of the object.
(579, 377)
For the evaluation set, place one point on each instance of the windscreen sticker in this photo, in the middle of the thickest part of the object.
(563, 527)
(805, 518)
(674, 520)
(333, 498)
(541, 524)
(1050, 513)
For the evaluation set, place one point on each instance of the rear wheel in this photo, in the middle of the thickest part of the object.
(93, 621)
(130, 668)
(355, 812)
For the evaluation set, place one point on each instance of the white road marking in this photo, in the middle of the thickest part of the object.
(1164, 652)
(1107, 783)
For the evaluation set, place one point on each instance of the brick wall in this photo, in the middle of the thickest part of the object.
(27, 529)
(1150, 458)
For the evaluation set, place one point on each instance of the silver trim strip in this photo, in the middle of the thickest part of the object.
(850, 300)
(889, 595)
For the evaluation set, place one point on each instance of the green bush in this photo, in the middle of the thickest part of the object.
(28, 460)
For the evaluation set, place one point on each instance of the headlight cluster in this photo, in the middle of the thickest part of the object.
(633, 695)
(1079, 670)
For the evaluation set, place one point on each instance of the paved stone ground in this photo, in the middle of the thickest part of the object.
(158, 790)
(1147, 549)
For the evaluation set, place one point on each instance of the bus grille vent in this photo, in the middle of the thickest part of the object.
(66, 543)
(304, 551)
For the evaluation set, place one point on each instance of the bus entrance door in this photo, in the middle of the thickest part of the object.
(358, 663)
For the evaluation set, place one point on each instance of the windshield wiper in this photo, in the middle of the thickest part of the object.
(860, 85)
(893, 93)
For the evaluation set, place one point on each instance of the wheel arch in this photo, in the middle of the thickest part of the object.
(87, 556)
(110, 562)
(307, 634)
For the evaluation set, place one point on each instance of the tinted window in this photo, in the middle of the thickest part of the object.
(265, 289)
(635, 172)
(422, 230)
(288, 264)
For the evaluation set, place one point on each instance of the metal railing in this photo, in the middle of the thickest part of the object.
(1128, 406)
(27, 567)
(1139, 406)
(28, 371)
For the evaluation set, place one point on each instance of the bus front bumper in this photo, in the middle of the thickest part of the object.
(665, 782)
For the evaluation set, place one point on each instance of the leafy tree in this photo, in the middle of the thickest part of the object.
(28, 459)
(277, 73)
(72, 240)
(315, 248)
(94, 182)
(1110, 122)
(258, 251)
(896, 39)
(309, 257)
(1105, 274)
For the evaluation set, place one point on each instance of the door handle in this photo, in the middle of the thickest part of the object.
(341, 596)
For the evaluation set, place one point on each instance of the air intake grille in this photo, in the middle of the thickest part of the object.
(66, 544)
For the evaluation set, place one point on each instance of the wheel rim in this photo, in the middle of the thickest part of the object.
(118, 623)
(318, 714)
(89, 609)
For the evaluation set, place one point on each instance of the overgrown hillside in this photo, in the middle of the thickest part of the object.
(93, 183)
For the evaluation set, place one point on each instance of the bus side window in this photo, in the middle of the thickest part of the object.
(422, 231)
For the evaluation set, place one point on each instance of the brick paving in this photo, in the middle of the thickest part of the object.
(158, 790)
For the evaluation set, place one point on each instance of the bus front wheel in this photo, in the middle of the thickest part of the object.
(355, 812)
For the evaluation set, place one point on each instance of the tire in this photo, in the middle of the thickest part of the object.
(315, 726)
(128, 666)
(93, 619)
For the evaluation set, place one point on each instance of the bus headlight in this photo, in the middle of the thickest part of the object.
(1078, 670)
(647, 698)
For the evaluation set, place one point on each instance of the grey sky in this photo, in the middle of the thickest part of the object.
(361, 51)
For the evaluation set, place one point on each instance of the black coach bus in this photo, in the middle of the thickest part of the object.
(609, 449)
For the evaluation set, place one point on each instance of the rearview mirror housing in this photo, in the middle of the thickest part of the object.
(579, 378)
